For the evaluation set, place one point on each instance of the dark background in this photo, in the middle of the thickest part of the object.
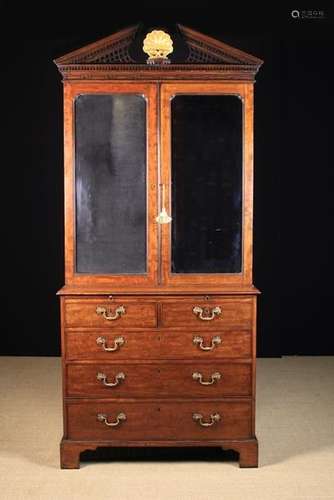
(293, 173)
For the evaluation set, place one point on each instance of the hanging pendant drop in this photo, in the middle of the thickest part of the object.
(163, 217)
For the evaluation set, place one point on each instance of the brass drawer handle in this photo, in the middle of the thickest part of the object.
(214, 378)
(119, 341)
(107, 314)
(102, 417)
(214, 418)
(205, 314)
(214, 342)
(103, 378)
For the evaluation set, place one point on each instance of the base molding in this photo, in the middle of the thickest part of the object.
(70, 450)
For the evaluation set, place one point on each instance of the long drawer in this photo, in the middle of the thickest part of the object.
(188, 379)
(222, 313)
(103, 313)
(153, 344)
(188, 420)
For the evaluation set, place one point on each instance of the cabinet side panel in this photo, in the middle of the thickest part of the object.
(254, 333)
(63, 361)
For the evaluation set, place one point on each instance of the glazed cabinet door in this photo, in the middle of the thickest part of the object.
(206, 159)
(111, 183)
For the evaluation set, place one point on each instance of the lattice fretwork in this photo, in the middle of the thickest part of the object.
(198, 57)
(118, 55)
(110, 52)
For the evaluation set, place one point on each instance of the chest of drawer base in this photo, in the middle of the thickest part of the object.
(247, 448)
(159, 371)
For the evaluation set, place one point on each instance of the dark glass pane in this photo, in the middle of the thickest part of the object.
(206, 184)
(110, 179)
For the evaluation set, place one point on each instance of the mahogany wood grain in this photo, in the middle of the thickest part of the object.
(63, 361)
(156, 344)
(172, 72)
(180, 292)
(162, 420)
(83, 313)
(234, 344)
(254, 371)
(248, 451)
(70, 453)
(70, 450)
(81, 344)
(235, 313)
(159, 380)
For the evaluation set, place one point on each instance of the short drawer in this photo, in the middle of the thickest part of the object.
(139, 421)
(157, 344)
(222, 313)
(157, 380)
(103, 313)
(103, 345)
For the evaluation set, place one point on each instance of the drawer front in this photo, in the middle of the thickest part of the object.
(132, 380)
(102, 345)
(206, 345)
(159, 421)
(224, 313)
(159, 380)
(205, 380)
(163, 344)
(101, 313)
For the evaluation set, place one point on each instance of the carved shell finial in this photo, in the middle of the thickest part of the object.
(158, 45)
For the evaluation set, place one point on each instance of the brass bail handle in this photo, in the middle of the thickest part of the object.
(103, 378)
(214, 378)
(103, 417)
(207, 314)
(108, 315)
(117, 343)
(214, 419)
(215, 341)
(163, 217)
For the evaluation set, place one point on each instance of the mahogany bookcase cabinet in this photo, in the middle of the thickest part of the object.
(158, 310)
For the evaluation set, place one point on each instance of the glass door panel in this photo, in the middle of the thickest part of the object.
(203, 165)
(114, 235)
(110, 180)
(206, 184)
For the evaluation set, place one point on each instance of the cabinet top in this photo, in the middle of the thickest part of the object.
(182, 53)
